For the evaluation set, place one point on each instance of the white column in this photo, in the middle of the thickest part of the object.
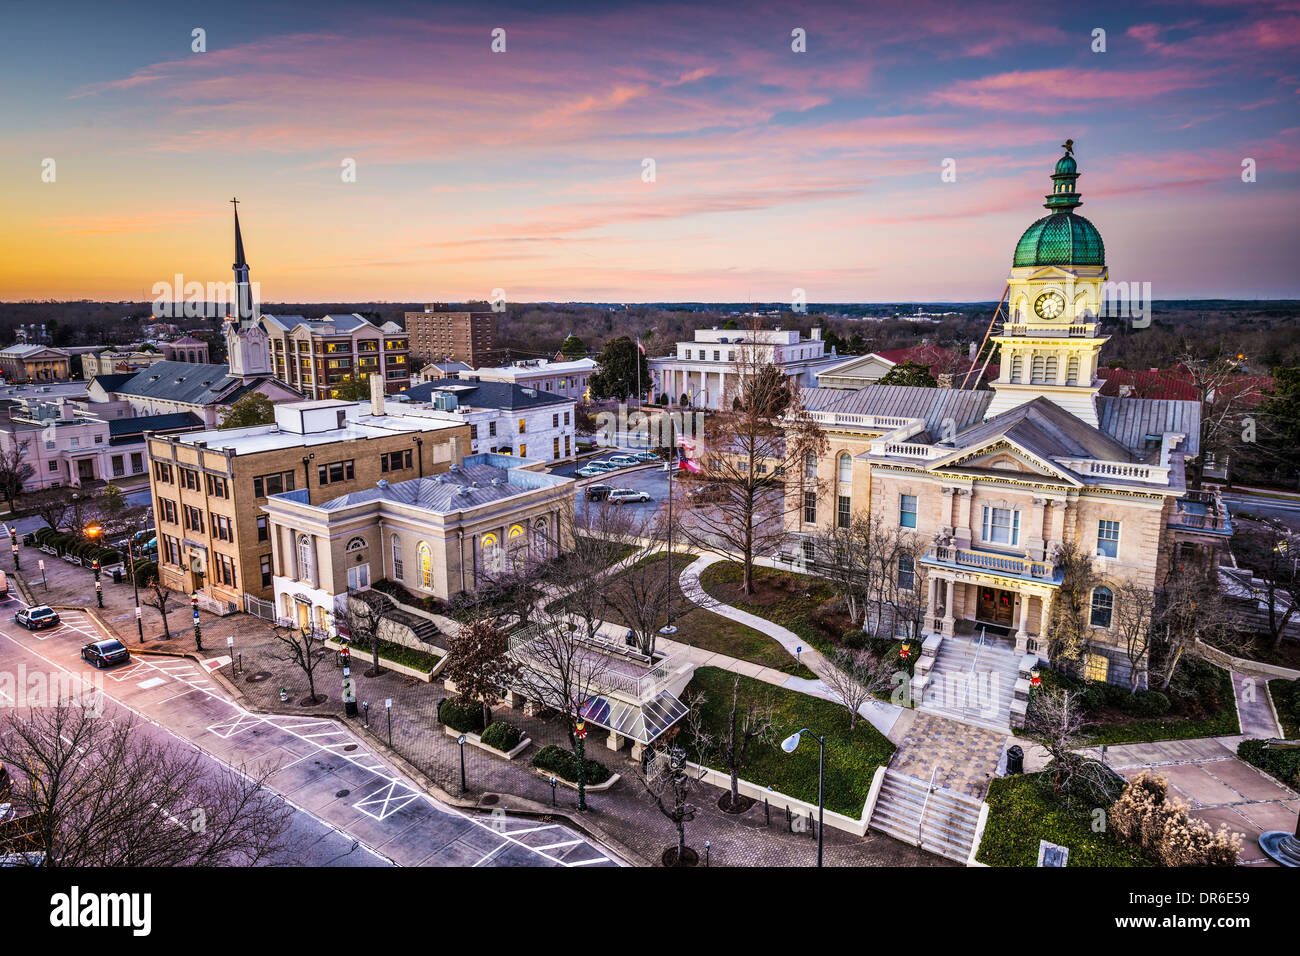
(1022, 633)
(949, 623)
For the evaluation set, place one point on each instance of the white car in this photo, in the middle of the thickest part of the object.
(621, 495)
(623, 460)
(587, 472)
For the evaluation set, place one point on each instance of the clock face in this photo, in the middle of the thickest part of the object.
(1049, 305)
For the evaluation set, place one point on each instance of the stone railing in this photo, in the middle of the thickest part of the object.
(876, 422)
(1021, 567)
(1124, 471)
(1202, 511)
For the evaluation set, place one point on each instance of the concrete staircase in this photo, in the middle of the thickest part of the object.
(932, 818)
(972, 682)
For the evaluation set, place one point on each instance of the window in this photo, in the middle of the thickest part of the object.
(810, 507)
(162, 471)
(1051, 370)
(424, 557)
(221, 528)
(1108, 539)
(523, 426)
(266, 570)
(54, 466)
(190, 479)
(567, 452)
(167, 510)
(809, 551)
(1037, 370)
(359, 577)
(395, 460)
(1072, 371)
(263, 531)
(355, 544)
(304, 558)
(555, 420)
(76, 442)
(492, 429)
(396, 547)
(555, 447)
(907, 511)
(1095, 667)
(49, 446)
(1017, 367)
(473, 432)
(193, 518)
(845, 471)
(216, 486)
(99, 439)
(171, 549)
(334, 472)
(810, 465)
(1103, 603)
(716, 355)
(842, 515)
(566, 418)
(523, 450)
(1001, 526)
(906, 572)
(225, 570)
(264, 485)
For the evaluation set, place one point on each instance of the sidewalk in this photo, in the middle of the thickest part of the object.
(882, 716)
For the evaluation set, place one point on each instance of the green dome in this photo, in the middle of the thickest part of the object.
(1061, 239)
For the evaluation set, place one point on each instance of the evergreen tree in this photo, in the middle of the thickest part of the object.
(616, 376)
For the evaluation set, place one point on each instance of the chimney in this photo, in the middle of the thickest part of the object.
(457, 452)
(376, 395)
(816, 334)
(972, 352)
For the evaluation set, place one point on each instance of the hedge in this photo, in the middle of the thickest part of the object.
(564, 764)
(1286, 699)
(502, 736)
(463, 715)
(397, 654)
(1283, 764)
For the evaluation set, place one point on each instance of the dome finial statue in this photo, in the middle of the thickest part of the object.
(1068, 146)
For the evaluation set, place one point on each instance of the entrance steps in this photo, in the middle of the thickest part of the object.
(973, 682)
(937, 820)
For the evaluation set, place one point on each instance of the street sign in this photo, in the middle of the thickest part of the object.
(388, 702)
(230, 642)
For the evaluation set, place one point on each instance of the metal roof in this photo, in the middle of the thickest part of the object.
(1130, 420)
(187, 382)
(964, 407)
(485, 394)
(443, 493)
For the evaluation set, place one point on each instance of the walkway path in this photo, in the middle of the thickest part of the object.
(1253, 707)
(882, 716)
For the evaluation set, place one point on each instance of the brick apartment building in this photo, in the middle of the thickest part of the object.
(208, 487)
(314, 355)
(442, 336)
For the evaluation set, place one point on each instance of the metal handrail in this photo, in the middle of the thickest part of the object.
(920, 826)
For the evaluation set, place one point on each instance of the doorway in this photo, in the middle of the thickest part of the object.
(996, 606)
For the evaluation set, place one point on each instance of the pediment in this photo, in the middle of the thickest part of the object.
(858, 365)
(1006, 457)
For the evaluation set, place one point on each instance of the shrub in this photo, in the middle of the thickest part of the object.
(1144, 815)
(1094, 697)
(145, 572)
(463, 715)
(855, 639)
(502, 736)
(1147, 703)
(564, 764)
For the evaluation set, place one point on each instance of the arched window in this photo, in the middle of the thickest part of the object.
(1103, 603)
(845, 470)
(491, 549)
(356, 544)
(1051, 370)
(810, 465)
(1072, 371)
(1036, 370)
(396, 546)
(424, 558)
(1017, 367)
(304, 558)
(541, 538)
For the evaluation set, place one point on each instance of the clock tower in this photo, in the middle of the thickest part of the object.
(1049, 343)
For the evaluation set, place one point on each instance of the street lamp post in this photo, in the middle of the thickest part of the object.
(789, 745)
(135, 586)
(13, 545)
(198, 637)
(669, 627)
(461, 740)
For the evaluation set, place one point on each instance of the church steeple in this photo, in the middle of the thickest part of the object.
(244, 293)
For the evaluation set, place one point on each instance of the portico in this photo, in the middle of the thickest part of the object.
(964, 598)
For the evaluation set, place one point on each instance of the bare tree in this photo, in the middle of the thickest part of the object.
(93, 792)
(1272, 553)
(1188, 609)
(1068, 614)
(639, 594)
(362, 616)
(1056, 720)
(478, 663)
(562, 668)
(761, 451)
(597, 534)
(51, 506)
(15, 469)
(1133, 609)
(856, 677)
(305, 647)
(668, 780)
(1226, 394)
(159, 597)
(752, 725)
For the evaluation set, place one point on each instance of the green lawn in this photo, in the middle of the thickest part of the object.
(784, 597)
(1286, 701)
(713, 632)
(851, 756)
(1020, 814)
(396, 654)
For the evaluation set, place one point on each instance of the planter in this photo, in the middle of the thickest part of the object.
(477, 741)
(591, 787)
(393, 666)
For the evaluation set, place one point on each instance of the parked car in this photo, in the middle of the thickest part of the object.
(621, 495)
(37, 618)
(711, 491)
(598, 492)
(623, 461)
(646, 456)
(587, 471)
(136, 541)
(105, 653)
(604, 465)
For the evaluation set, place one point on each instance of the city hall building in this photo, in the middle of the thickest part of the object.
(993, 481)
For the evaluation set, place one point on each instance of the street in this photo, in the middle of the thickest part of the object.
(351, 808)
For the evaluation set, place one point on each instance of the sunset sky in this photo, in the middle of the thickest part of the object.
(522, 170)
